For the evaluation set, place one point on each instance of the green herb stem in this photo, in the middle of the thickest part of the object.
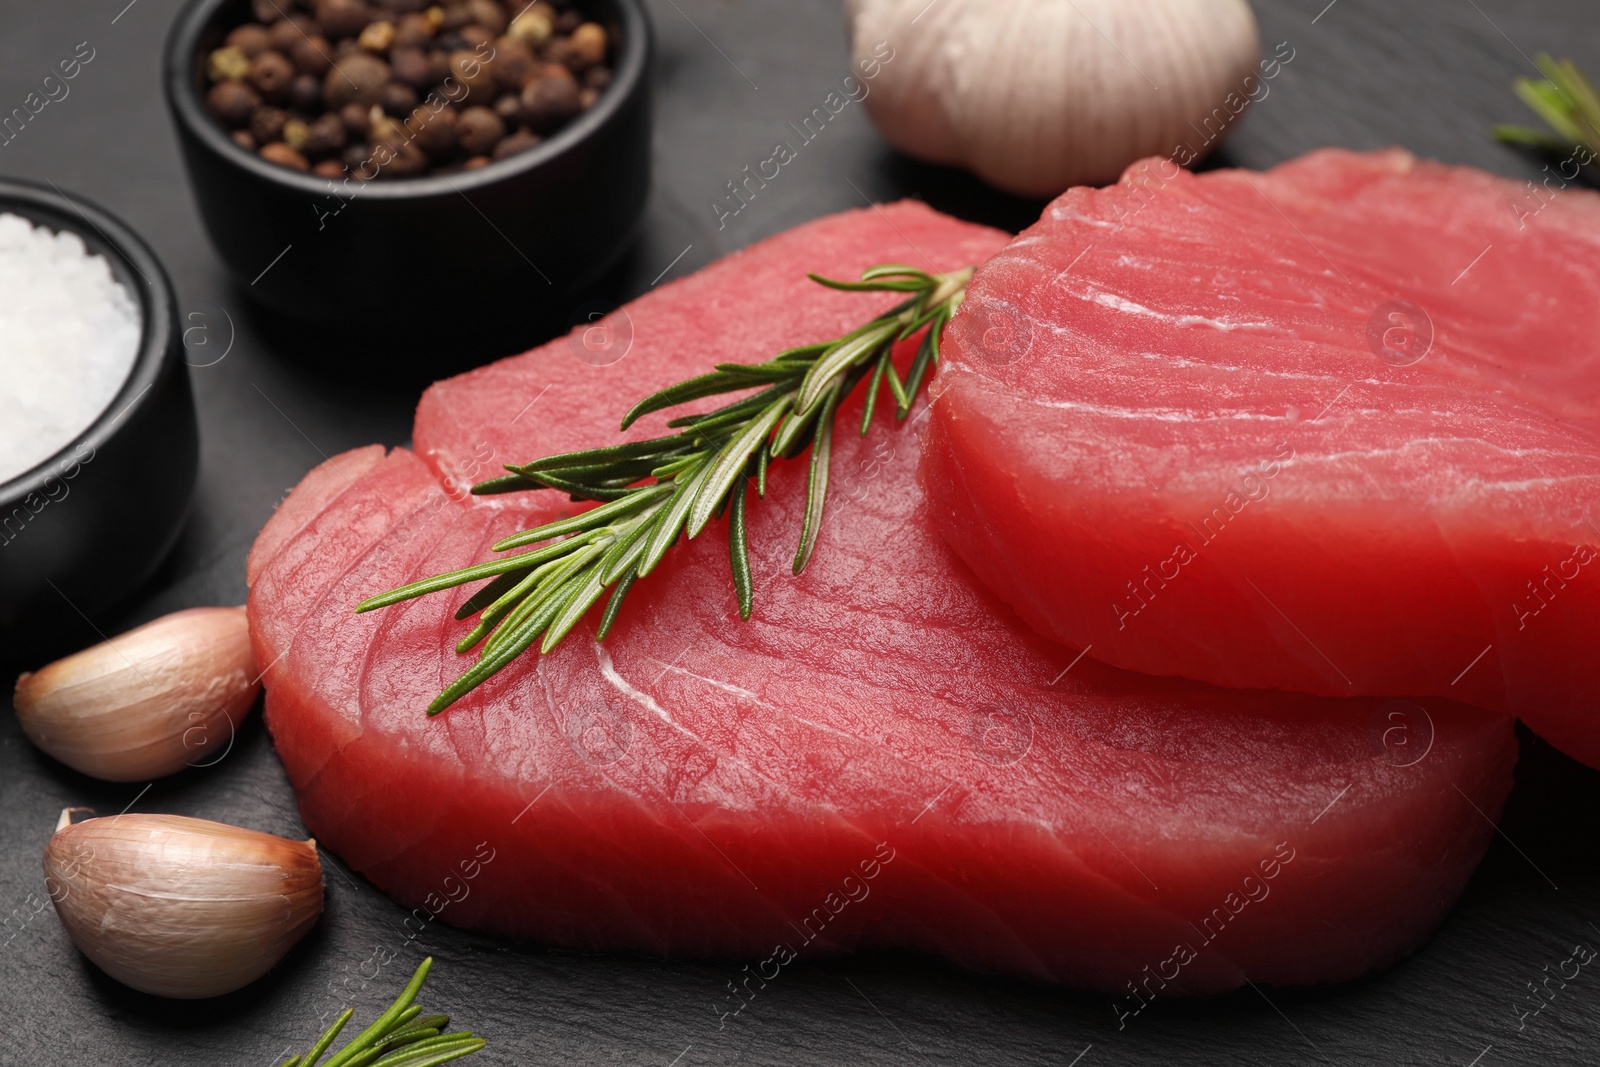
(1568, 103)
(698, 473)
(401, 1037)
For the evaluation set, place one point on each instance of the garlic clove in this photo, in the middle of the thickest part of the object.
(182, 907)
(1035, 96)
(148, 703)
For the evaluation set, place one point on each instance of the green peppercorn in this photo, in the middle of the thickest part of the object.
(228, 64)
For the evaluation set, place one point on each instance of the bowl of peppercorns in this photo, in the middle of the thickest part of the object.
(361, 158)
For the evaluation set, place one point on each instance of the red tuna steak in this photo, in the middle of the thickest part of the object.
(1333, 428)
(883, 756)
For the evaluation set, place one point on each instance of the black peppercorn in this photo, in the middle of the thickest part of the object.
(411, 66)
(341, 18)
(357, 121)
(270, 73)
(355, 154)
(325, 137)
(434, 131)
(478, 130)
(397, 99)
(251, 39)
(514, 63)
(312, 55)
(509, 108)
(488, 14)
(232, 102)
(354, 78)
(520, 141)
(551, 99)
(282, 35)
(412, 30)
(305, 93)
(284, 156)
(317, 94)
(266, 124)
(474, 38)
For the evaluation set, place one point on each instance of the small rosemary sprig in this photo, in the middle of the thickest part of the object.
(401, 1036)
(651, 492)
(1566, 100)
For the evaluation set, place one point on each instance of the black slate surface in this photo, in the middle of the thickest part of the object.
(1366, 73)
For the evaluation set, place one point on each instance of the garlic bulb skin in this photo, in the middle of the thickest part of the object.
(1036, 96)
(148, 703)
(181, 907)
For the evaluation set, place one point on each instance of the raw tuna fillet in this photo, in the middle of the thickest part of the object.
(883, 756)
(1332, 428)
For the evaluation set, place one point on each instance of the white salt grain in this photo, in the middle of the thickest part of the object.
(69, 334)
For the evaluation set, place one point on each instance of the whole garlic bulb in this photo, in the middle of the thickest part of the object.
(148, 703)
(1039, 95)
(182, 907)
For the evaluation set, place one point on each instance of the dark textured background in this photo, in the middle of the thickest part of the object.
(1429, 75)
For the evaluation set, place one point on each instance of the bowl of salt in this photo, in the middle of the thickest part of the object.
(98, 444)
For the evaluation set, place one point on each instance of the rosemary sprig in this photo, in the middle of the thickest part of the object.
(1566, 100)
(652, 492)
(401, 1036)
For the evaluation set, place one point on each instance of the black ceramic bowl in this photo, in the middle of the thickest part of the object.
(89, 525)
(515, 237)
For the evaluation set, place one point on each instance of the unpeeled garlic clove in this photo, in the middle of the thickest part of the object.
(148, 703)
(1035, 96)
(182, 907)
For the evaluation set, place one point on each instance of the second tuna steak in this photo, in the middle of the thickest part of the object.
(1332, 428)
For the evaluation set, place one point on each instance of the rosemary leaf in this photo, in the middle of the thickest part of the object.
(692, 389)
(871, 403)
(656, 446)
(739, 550)
(462, 577)
(586, 520)
(834, 363)
(614, 605)
(817, 480)
(673, 517)
(730, 464)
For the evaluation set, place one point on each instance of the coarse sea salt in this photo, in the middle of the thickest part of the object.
(69, 334)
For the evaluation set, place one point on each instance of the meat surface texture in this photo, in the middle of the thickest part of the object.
(883, 756)
(1331, 428)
